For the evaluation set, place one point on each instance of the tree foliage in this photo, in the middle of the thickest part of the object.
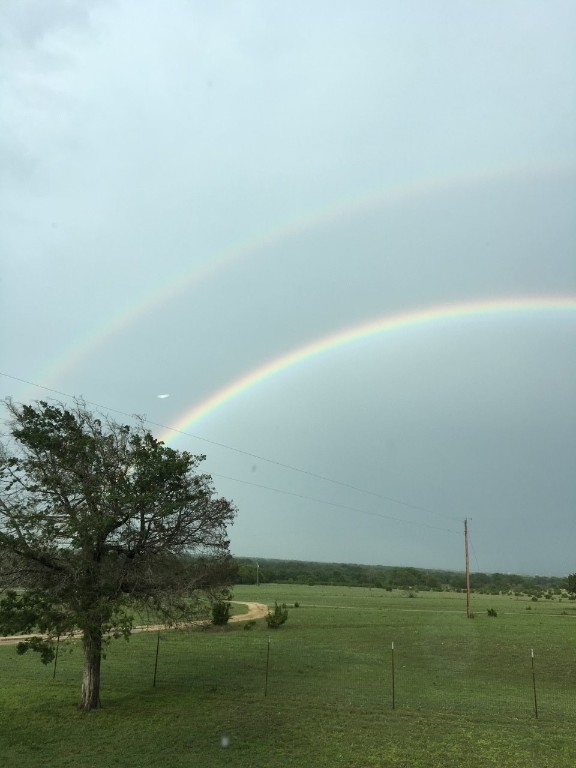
(390, 577)
(278, 616)
(220, 612)
(96, 517)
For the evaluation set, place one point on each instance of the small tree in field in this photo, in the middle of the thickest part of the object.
(276, 618)
(220, 612)
(572, 583)
(96, 516)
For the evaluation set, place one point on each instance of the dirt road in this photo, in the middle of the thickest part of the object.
(255, 611)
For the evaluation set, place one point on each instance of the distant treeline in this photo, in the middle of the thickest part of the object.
(389, 577)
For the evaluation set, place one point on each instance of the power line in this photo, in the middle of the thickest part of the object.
(241, 451)
(474, 553)
(335, 504)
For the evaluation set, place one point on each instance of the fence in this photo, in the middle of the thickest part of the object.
(324, 657)
(443, 678)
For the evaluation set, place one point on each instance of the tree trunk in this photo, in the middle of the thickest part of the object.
(92, 643)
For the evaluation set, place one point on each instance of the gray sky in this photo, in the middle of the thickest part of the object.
(193, 190)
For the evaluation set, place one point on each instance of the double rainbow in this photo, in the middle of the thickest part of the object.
(256, 246)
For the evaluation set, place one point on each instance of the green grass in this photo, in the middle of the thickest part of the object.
(463, 688)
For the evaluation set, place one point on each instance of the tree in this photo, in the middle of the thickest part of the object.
(572, 583)
(96, 517)
(279, 616)
(220, 612)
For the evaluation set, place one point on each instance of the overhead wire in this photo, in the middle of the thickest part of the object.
(334, 504)
(473, 552)
(252, 455)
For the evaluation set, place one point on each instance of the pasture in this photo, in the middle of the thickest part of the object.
(463, 689)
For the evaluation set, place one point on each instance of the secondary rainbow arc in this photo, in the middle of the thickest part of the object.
(215, 263)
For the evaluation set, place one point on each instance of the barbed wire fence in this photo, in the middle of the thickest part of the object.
(428, 673)
(386, 679)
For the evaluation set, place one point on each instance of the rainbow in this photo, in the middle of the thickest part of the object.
(257, 245)
(375, 327)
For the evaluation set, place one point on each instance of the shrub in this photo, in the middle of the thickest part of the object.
(250, 624)
(492, 612)
(276, 618)
(220, 612)
(296, 605)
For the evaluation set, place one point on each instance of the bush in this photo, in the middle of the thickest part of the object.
(250, 624)
(492, 612)
(220, 612)
(276, 618)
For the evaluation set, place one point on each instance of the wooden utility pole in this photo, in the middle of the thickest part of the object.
(468, 611)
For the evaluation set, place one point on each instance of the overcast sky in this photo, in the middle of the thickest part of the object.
(193, 190)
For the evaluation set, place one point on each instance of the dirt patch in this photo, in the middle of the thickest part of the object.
(255, 611)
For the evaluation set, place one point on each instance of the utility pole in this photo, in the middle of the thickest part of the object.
(257, 574)
(468, 611)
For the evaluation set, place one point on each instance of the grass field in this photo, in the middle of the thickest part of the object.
(463, 689)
